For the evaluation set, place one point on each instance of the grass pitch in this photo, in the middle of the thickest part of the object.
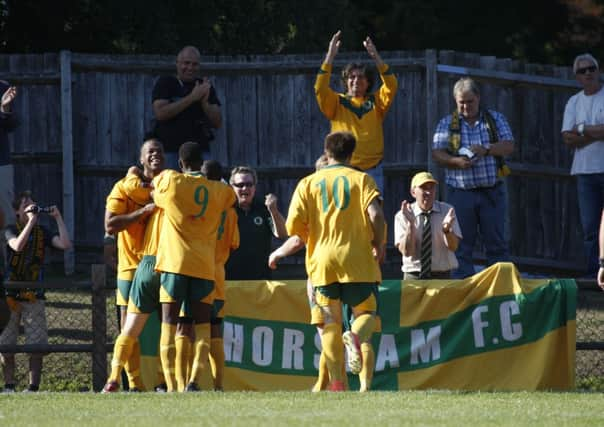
(426, 408)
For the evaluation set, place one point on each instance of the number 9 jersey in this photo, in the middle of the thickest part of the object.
(193, 207)
(329, 212)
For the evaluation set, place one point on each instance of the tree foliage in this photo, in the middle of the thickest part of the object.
(539, 30)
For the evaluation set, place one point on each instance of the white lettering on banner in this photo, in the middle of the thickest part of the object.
(423, 346)
(386, 353)
(262, 346)
(233, 342)
(478, 325)
(293, 355)
(317, 356)
(510, 331)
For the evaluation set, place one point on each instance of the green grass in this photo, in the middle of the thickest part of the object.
(426, 408)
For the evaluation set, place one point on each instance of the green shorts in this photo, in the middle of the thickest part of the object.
(180, 288)
(144, 294)
(217, 311)
(123, 292)
(357, 295)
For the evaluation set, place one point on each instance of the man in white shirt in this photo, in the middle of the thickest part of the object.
(583, 130)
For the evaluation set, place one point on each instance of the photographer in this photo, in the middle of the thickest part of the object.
(27, 241)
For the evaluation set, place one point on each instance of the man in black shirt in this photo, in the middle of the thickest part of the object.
(258, 222)
(185, 107)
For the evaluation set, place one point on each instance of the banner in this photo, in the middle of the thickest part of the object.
(493, 331)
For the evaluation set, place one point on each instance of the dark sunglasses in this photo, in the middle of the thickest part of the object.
(591, 69)
(243, 184)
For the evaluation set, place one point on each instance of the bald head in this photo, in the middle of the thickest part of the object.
(187, 64)
(152, 157)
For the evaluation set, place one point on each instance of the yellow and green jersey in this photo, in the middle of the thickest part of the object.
(152, 232)
(361, 116)
(227, 241)
(329, 212)
(127, 196)
(192, 207)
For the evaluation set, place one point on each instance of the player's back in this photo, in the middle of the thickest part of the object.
(192, 208)
(331, 205)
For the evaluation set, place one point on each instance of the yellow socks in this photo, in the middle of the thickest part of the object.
(366, 374)
(183, 349)
(167, 351)
(121, 351)
(363, 327)
(202, 349)
(217, 361)
(333, 348)
(323, 378)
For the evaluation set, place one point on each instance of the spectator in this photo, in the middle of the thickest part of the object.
(258, 223)
(340, 207)
(27, 241)
(358, 110)
(583, 130)
(470, 144)
(186, 107)
(8, 123)
(442, 235)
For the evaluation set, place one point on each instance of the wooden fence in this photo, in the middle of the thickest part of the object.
(83, 118)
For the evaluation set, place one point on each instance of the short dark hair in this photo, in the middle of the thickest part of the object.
(340, 145)
(190, 154)
(19, 198)
(212, 170)
(367, 72)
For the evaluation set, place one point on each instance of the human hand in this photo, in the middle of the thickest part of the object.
(148, 209)
(7, 98)
(601, 277)
(200, 91)
(334, 45)
(270, 201)
(31, 212)
(460, 162)
(371, 49)
(54, 212)
(448, 221)
(273, 259)
(479, 150)
(407, 212)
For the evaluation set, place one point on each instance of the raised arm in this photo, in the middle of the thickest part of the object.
(278, 229)
(61, 241)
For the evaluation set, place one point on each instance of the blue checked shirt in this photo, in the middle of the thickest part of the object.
(483, 173)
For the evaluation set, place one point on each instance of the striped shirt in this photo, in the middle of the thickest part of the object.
(483, 172)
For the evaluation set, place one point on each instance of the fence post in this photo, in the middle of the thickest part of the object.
(99, 327)
(431, 105)
(67, 144)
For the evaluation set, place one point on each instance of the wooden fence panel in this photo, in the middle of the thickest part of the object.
(271, 121)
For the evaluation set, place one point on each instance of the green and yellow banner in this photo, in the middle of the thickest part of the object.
(493, 331)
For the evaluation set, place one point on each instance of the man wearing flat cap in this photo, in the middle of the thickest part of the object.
(426, 232)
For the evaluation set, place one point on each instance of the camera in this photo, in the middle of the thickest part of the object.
(39, 209)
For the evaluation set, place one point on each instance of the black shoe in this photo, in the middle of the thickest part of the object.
(192, 387)
(161, 388)
(8, 388)
(31, 389)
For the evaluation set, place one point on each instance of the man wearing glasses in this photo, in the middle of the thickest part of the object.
(185, 107)
(583, 130)
(258, 222)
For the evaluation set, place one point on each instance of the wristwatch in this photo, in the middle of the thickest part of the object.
(581, 129)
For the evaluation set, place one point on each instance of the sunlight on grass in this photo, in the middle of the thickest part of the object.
(436, 408)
